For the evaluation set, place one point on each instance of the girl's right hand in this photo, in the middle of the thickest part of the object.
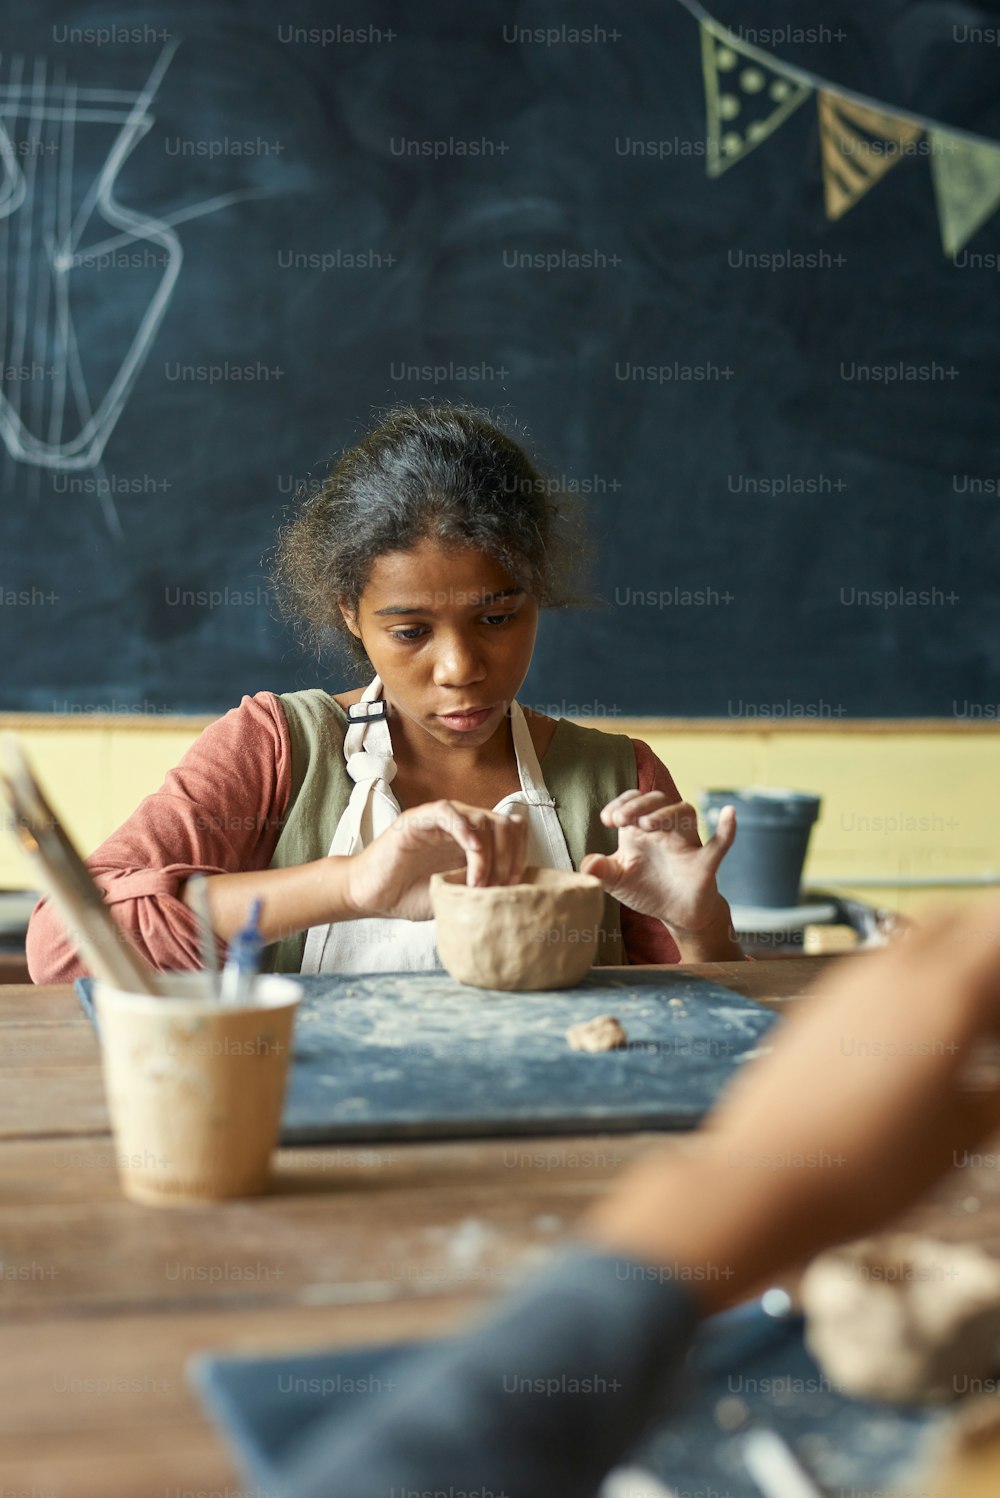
(391, 877)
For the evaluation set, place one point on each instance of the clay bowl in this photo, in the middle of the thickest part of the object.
(541, 933)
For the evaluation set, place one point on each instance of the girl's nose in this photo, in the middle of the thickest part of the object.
(458, 662)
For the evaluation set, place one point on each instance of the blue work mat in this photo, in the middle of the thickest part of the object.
(264, 1406)
(417, 1055)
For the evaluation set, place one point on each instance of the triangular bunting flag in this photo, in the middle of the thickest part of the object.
(966, 184)
(745, 100)
(859, 146)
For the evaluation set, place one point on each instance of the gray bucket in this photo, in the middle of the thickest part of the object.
(764, 865)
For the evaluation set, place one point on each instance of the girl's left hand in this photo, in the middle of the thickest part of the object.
(661, 867)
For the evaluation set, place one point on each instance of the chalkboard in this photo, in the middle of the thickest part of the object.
(228, 236)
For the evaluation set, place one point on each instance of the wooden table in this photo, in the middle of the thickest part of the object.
(13, 963)
(105, 1300)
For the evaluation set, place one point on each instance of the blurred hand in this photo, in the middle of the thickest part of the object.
(391, 877)
(858, 1110)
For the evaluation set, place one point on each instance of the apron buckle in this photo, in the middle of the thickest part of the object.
(371, 711)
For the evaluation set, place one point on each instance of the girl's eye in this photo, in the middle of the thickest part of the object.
(417, 631)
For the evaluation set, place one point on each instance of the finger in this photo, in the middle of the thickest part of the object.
(725, 835)
(519, 846)
(612, 806)
(511, 843)
(680, 817)
(504, 832)
(626, 813)
(603, 868)
(481, 872)
(449, 818)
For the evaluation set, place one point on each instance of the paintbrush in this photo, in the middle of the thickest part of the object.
(774, 1467)
(64, 877)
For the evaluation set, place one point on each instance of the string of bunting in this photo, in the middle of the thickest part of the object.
(749, 94)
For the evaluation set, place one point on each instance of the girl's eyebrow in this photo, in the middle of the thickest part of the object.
(475, 603)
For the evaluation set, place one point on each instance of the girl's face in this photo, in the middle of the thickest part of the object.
(451, 635)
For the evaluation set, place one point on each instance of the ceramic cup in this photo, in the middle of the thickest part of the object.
(194, 1088)
(764, 866)
(541, 933)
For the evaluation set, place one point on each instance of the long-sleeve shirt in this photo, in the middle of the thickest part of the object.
(541, 1402)
(220, 811)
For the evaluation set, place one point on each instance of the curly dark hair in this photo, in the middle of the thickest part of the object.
(446, 471)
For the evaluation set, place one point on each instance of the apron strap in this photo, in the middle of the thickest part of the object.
(369, 762)
(529, 771)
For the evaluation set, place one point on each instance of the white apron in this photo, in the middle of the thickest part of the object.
(375, 945)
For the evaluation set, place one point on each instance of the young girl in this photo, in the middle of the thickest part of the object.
(429, 551)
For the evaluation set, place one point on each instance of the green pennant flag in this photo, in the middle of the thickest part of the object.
(745, 100)
(966, 184)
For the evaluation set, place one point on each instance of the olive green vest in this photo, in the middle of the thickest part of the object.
(583, 770)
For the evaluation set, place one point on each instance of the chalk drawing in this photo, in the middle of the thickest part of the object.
(40, 249)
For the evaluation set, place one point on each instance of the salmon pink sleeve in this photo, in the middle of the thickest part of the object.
(218, 812)
(647, 939)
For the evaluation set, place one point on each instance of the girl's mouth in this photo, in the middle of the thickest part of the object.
(466, 720)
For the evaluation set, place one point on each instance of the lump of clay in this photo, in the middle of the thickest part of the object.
(601, 1034)
(541, 933)
(902, 1318)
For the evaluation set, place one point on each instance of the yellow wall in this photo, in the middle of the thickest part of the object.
(905, 804)
(935, 787)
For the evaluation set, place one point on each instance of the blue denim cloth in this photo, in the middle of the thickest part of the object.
(543, 1401)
